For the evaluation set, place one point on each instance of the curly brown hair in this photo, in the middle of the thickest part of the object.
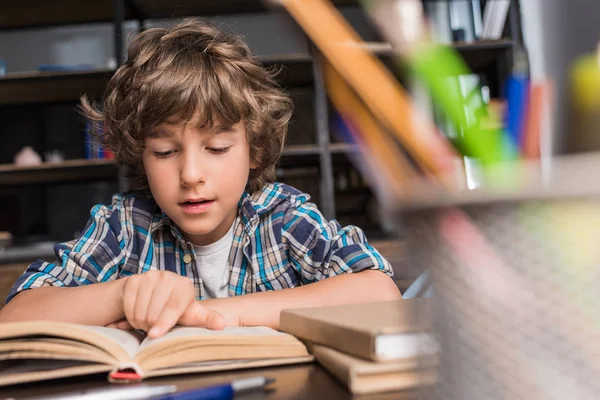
(192, 70)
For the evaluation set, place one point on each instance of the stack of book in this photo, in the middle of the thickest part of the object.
(371, 347)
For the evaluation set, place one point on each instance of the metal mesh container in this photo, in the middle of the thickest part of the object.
(516, 283)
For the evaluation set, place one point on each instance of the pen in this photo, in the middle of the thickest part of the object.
(221, 392)
(115, 393)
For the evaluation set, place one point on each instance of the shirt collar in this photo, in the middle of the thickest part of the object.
(250, 208)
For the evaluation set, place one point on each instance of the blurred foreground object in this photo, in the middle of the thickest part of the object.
(584, 112)
(375, 85)
(516, 272)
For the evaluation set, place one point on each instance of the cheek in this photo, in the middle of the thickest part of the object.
(157, 176)
(235, 170)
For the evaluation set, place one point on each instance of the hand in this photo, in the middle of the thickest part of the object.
(158, 300)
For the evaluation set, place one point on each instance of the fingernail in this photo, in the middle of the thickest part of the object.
(153, 332)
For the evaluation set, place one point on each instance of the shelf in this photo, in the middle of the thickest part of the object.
(69, 86)
(23, 14)
(161, 9)
(296, 68)
(481, 54)
(477, 55)
(342, 148)
(44, 87)
(313, 149)
(26, 14)
(89, 170)
(26, 253)
(66, 171)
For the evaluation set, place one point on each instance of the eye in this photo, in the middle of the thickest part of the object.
(218, 150)
(163, 154)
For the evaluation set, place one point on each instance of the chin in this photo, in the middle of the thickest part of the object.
(196, 230)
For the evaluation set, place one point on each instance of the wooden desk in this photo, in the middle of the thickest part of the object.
(306, 381)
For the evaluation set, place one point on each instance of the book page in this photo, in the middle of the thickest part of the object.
(182, 332)
(119, 344)
(128, 340)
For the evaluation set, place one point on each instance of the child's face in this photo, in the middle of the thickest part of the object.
(197, 176)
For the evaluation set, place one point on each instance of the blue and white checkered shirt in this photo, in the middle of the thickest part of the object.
(281, 240)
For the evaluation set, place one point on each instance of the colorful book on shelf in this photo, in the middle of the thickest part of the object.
(41, 350)
(93, 146)
(540, 100)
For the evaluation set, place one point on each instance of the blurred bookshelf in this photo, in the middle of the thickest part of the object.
(314, 159)
(48, 87)
(295, 70)
(27, 14)
(58, 172)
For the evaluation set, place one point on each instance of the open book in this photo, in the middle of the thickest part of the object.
(40, 350)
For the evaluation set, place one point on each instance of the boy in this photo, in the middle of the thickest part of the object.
(207, 239)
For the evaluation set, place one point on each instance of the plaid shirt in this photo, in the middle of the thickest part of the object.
(280, 241)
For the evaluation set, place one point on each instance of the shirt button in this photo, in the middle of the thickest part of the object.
(187, 259)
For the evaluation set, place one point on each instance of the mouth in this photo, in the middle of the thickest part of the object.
(195, 202)
(196, 206)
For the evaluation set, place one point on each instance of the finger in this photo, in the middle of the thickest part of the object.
(158, 302)
(199, 315)
(125, 326)
(174, 308)
(142, 301)
(129, 299)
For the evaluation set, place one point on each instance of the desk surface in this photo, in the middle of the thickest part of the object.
(306, 381)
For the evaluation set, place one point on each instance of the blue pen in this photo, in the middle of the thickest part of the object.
(222, 392)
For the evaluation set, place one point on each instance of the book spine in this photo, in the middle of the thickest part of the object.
(477, 18)
(350, 341)
(461, 21)
(438, 13)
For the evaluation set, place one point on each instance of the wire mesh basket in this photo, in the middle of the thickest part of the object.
(516, 283)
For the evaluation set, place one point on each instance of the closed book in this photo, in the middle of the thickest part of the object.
(438, 13)
(366, 377)
(381, 331)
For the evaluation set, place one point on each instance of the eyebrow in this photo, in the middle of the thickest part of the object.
(160, 133)
(223, 128)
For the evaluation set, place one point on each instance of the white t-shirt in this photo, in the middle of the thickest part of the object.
(212, 262)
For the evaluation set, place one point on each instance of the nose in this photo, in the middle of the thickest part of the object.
(192, 170)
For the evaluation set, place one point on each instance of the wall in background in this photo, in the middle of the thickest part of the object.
(556, 32)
